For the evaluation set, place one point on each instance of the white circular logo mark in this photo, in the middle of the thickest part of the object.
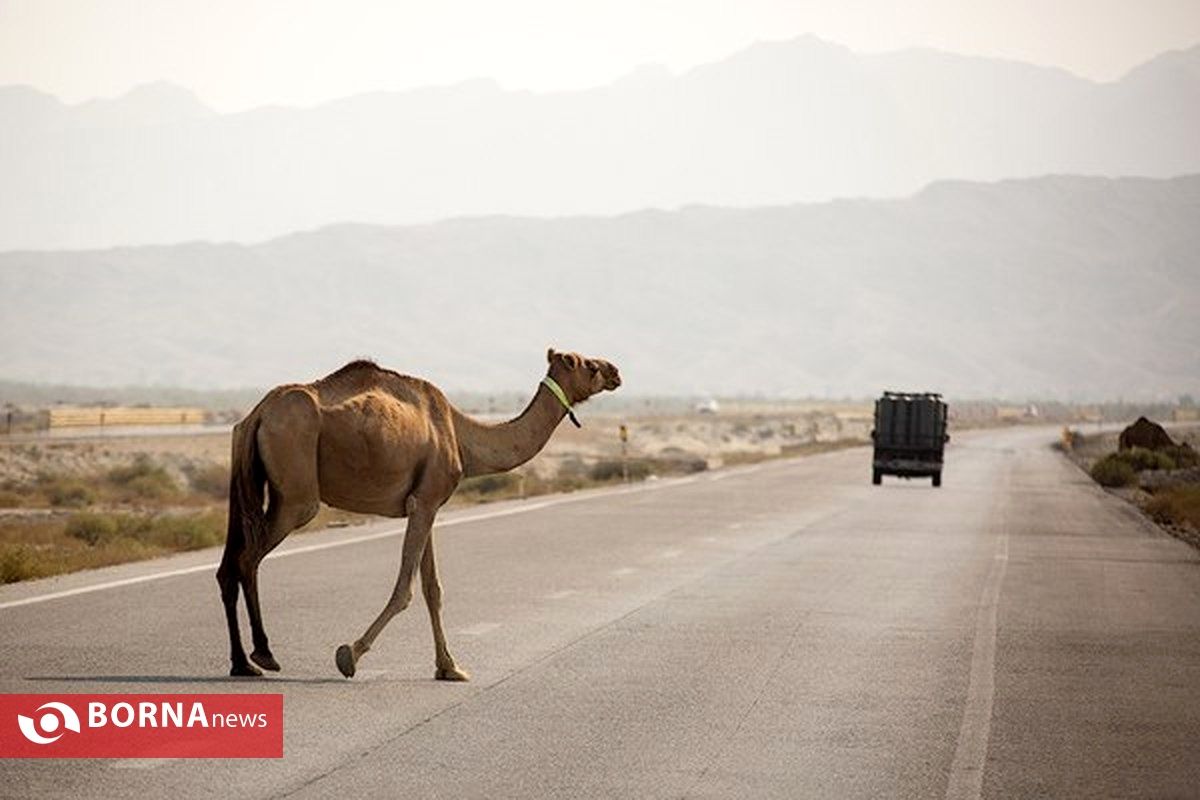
(48, 723)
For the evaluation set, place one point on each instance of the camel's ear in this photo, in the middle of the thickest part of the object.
(550, 355)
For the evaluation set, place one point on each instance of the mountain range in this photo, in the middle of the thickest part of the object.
(1057, 287)
(802, 120)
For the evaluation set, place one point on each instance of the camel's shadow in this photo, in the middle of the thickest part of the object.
(181, 679)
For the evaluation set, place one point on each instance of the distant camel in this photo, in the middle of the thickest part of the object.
(370, 440)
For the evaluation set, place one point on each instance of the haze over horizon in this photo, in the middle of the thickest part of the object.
(633, 72)
(801, 120)
(242, 55)
(1062, 288)
(769, 215)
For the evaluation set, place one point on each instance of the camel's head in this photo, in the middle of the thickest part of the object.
(581, 377)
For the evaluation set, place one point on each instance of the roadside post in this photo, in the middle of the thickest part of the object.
(623, 432)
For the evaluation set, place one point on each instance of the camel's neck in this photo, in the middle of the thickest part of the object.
(498, 448)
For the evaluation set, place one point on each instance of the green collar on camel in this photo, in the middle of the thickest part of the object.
(558, 392)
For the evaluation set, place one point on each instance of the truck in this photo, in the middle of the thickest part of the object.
(910, 436)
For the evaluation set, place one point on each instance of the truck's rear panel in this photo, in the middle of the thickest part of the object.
(910, 435)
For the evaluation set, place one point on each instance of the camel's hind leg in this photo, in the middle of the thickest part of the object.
(287, 442)
(447, 670)
(283, 517)
(228, 575)
(416, 536)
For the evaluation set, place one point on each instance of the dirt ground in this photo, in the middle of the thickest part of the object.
(715, 439)
(1171, 498)
(88, 500)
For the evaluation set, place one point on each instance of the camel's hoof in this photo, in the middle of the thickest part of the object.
(452, 674)
(265, 660)
(245, 671)
(345, 660)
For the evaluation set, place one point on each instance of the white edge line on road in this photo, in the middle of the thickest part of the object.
(370, 537)
(970, 755)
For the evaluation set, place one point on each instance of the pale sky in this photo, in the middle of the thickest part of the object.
(237, 54)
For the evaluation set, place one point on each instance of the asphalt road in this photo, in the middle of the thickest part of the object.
(785, 630)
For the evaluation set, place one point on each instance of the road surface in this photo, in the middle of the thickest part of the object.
(785, 630)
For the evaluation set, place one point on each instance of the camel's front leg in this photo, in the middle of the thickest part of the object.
(447, 670)
(420, 523)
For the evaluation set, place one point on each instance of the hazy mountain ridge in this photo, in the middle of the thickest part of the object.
(779, 122)
(1093, 281)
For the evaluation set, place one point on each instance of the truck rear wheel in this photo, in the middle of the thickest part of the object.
(937, 479)
(876, 477)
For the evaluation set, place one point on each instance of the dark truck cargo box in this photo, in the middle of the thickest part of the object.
(910, 436)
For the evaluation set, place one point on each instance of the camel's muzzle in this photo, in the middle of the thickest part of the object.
(609, 374)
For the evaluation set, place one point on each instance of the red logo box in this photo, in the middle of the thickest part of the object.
(141, 726)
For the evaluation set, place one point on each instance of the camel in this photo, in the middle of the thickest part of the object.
(373, 441)
(1145, 433)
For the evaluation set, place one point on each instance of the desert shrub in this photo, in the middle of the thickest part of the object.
(10, 499)
(67, 492)
(143, 479)
(677, 461)
(737, 457)
(1177, 506)
(93, 528)
(572, 467)
(18, 562)
(190, 532)
(611, 470)
(187, 532)
(490, 484)
(212, 480)
(563, 483)
(1113, 471)
(535, 485)
(1139, 458)
(1184, 457)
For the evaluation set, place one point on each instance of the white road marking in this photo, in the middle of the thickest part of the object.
(369, 537)
(670, 554)
(99, 587)
(623, 571)
(729, 473)
(562, 594)
(478, 629)
(970, 756)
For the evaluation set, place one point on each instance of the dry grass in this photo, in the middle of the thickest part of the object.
(97, 504)
(572, 475)
(142, 482)
(42, 546)
(1178, 506)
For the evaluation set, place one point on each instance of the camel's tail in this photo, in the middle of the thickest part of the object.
(247, 489)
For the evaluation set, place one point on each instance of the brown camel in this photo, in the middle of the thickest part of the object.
(370, 440)
(1145, 433)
